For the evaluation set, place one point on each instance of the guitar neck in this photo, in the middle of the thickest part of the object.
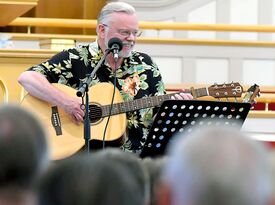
(153, 101)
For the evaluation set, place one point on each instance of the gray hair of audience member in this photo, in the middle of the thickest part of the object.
(113, 7)
(23, 147)
(218, 166)
(272, 162)
(133, 164)
(154, 167)
(88, 179)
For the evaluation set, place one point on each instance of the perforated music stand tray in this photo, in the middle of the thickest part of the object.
(183, 115)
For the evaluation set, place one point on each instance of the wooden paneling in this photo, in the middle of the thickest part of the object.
(91, 11)
(59, 9)
(72, 9)
(12, 63)
(11, 9)
(69, 9)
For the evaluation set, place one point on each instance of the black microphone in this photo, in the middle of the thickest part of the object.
(115, 45)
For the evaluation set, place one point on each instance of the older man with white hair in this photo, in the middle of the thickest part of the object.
(216, 166)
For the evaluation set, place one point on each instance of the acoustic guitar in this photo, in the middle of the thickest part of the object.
(66, 138)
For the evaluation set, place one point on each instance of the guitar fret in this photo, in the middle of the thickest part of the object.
(131, 105)
(115, 109)
(104, 111)
(135, 104)
(201, 92)
(107, 110)
(127, 106)
(122, 108)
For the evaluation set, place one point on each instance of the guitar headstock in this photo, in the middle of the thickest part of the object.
(251, 94)
(229, 90)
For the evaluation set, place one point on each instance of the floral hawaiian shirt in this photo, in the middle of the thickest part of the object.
(137, 77)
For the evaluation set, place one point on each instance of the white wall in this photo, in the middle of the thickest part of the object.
(210, 64)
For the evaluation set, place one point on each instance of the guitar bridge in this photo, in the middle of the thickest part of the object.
(56, 123)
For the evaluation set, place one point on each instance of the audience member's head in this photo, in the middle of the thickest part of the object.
(216, 166)
(89, 179)
(272, 161)
(154, 168)
(23, 154)
(135, 167)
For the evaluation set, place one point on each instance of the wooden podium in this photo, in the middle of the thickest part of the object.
(12, 63)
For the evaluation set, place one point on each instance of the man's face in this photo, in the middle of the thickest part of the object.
(124, 27)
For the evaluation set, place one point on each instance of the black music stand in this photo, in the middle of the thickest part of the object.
(183, 115)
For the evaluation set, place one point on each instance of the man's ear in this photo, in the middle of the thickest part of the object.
(101, 30)
(163, 194)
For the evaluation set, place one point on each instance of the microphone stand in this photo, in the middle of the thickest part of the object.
(82, 91)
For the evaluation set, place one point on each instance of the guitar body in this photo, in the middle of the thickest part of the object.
(71, 139)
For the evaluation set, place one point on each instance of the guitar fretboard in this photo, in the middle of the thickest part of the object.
(145, 102)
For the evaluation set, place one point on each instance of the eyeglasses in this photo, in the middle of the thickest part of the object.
(127, 33)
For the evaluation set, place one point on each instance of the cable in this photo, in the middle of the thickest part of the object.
(111, 107)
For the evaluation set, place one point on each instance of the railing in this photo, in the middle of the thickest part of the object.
(84, 23)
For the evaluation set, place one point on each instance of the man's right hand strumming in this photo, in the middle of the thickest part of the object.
(72, 106)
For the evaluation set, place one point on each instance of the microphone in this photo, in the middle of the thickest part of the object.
(115, 45)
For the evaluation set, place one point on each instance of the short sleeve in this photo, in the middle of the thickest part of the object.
(56, 69)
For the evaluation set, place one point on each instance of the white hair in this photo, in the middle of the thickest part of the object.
(113, 7)
(218, 166)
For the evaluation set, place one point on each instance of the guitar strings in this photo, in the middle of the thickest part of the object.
(98, 111)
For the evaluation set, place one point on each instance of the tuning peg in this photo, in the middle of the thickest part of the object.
(235, 99)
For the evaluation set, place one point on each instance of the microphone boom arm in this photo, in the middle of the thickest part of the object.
(84, 87)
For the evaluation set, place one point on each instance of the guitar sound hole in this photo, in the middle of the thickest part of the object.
(95, 113)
